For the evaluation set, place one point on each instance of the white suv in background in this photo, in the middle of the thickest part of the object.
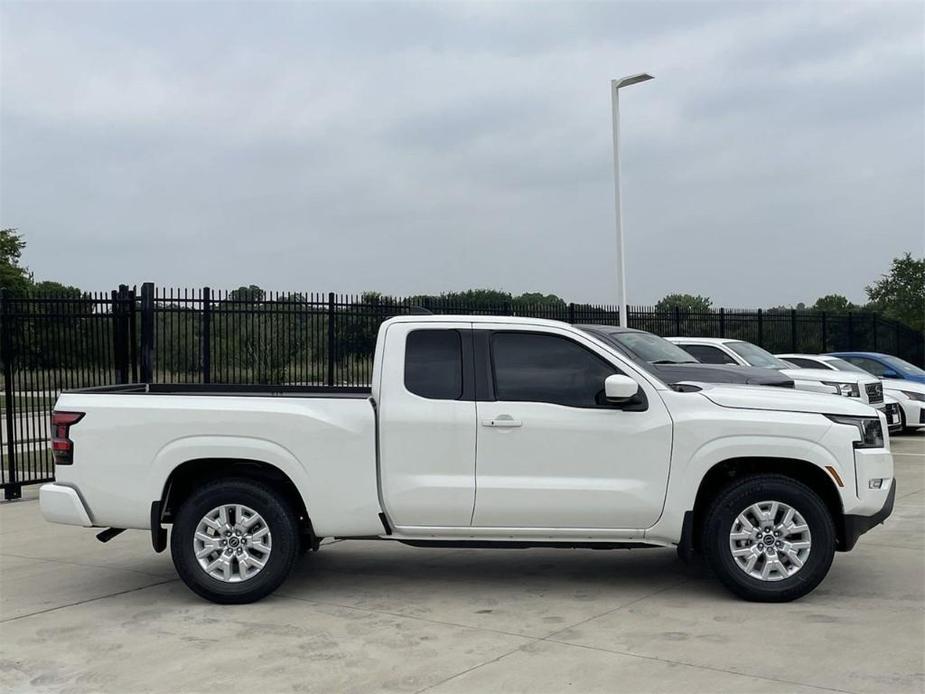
(909, 396)
(721, 350)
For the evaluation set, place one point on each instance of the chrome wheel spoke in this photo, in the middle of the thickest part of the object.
(765, 548)
(793, 556)
(232, 543)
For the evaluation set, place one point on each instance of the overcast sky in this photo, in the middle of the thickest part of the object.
(778, 155)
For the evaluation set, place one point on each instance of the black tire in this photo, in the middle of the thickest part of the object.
(903, 428)
(737, 497)
(279, 517)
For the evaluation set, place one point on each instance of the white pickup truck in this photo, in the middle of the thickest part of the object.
(477, 431)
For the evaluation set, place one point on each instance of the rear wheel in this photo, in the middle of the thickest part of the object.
(234, 541)
(769, 538)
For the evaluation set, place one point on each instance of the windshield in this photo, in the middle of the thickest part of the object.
(843, 365)
(652, 348)
(756, 356)
(903, 366)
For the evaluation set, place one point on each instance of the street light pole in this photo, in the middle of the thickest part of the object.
(615, 86)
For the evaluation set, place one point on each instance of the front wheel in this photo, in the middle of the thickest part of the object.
(769, 538)
(234, 541)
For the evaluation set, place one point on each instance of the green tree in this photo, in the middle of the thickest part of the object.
(13, 276)
(834, 303)
(250, 294)
(900, 293)
(538, 299)
(685, 302)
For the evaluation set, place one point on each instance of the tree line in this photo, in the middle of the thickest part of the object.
(262, 337)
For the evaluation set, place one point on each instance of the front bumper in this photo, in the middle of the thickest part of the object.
(891, 413)
(60, 504)
(855, 526)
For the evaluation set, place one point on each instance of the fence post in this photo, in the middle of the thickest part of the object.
(677, 321)
(133, 334)
(760, 329)
(825, 334)
(331, 337)
(873, 321)
(793, 330)
(850, 331)
(147, 332)
(205, 331)
(120, 334)
(13, 489)
(722, 322)
(571, 314)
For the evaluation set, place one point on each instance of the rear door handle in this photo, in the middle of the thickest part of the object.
(505, 421)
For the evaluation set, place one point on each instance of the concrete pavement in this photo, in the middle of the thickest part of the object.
(80, 616)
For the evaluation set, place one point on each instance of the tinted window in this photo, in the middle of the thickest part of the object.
(804, 363)
(706, 354)
(869, 365)
(433, 364)
(545, 368)
(842, 365)
(652, 348)
(754, 355)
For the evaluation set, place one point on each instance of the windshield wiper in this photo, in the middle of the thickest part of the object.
(672, 361)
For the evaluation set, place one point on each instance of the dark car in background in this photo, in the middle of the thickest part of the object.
(673, 365)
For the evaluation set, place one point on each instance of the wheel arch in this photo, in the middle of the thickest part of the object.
(191, 474)
(725, 472)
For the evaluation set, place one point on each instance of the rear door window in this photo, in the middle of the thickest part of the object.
(433, 364)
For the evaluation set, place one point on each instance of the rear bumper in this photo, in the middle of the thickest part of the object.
(60, 504)
(855, 526)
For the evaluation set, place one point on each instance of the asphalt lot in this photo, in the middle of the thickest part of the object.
(77, 615)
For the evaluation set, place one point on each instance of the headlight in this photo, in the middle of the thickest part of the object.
(849, 390)
(868, 427)
(914, 396)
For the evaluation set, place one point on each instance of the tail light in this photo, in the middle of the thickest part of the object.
(62, 448)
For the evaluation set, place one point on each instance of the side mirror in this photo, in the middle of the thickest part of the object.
(618, 388)
(889, 373)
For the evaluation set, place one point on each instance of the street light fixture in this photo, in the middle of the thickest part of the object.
(615, 86)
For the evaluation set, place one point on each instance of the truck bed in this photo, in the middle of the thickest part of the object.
(133, 436)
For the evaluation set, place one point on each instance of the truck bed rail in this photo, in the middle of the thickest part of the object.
(228, 389)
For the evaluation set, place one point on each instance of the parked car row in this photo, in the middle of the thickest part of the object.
(723, 360)
(855, 383)
(490, 431)
(903, 383)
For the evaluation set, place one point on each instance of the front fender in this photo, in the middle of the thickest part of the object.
(687, 474)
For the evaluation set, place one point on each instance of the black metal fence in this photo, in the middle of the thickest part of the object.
(54, 343)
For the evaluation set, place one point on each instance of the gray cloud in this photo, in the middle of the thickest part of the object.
(779, 155)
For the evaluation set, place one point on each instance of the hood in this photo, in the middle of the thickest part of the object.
(829, 376)
(898, 384)
(784, 399)
(720, 373)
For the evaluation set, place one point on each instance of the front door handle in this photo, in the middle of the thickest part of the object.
(504, 421)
